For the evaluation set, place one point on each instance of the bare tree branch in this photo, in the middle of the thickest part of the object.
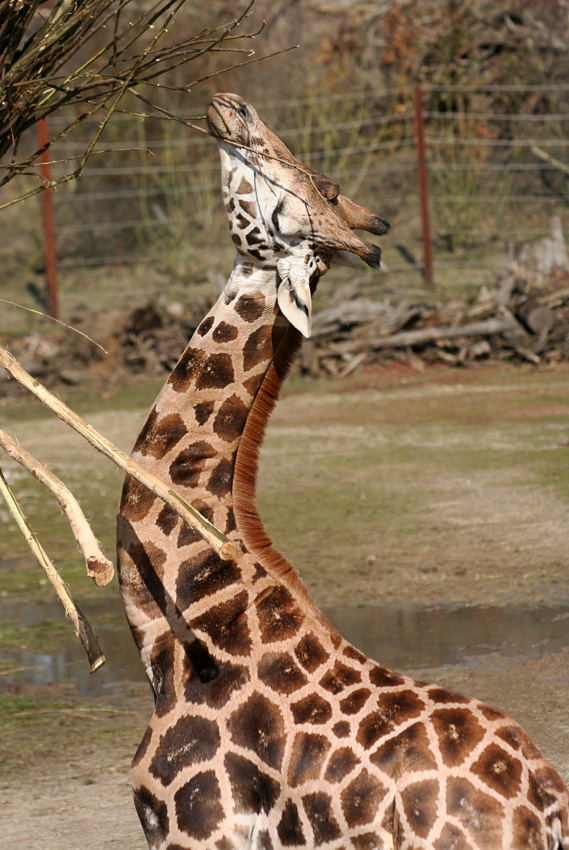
(88, 55)
(83, 628)
(98, 566)
(190, 515)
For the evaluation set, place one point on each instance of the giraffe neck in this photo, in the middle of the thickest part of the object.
(203, 436)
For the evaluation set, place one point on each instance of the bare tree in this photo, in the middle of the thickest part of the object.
(80, 59)
(62, 54)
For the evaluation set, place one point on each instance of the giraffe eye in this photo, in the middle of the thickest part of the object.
(243, 112)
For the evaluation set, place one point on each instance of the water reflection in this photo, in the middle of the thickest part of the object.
(402, 638)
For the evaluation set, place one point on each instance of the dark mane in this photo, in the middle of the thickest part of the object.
(249, 523)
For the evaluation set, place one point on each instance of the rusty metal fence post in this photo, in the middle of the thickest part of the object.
(423, 184)
(48, 223)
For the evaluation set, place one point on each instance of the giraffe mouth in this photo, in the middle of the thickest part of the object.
(216, 123)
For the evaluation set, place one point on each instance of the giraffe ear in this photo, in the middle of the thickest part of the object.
(294, 296)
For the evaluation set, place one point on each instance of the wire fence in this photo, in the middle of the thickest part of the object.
(497, 170)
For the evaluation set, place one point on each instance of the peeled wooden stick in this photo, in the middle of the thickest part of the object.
(99, 568)
(83, 629)
(218, 542)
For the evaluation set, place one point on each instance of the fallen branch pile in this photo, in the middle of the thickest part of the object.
(525, 318)
(521, 320)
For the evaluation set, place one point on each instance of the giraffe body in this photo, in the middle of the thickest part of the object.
(269, 730)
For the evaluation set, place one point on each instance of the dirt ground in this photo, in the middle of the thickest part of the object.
(448, 489)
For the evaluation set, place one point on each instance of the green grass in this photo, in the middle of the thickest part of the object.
(137, 396)
(354, 460)
(46, 635)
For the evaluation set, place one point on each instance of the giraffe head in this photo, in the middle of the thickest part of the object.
(281, 213)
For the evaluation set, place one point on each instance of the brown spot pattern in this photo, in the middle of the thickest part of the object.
(309, 751)
(318, 808)
(458, 732)
(355, 654)
(264, 840)
(499, 770)
(221, 479)
(202, 576)
(444, 695)
(225, 332)
(311, 709)
(250, 307)
(217, 692)
(253, 236)
(353, 703)
(518, 740)
(136, 500)
(289, 828)
(369, 841)
(405, 753)
(281, 673)
(310, 652)
(153, 816)
(478, 813)
(373, 727)
(339, 677)
(250, 207)
(361, 798)
(230, 419)
(257, 725)
(226, 625)
(186, 469)
(527, 830)
(159, 437)
(279, 615)
(253, 384)
(166, 520)
(198, 805)
(190, 741)
(186, 369)
(203, 411)
(145, 586)
(252, 790)
(544, 786)
(205, 326)
(230, 523)
(491, 713)
(452, 838)
(216, 373)
(258, 347)
(341, 763)
(162, 667)
(420, 805)
(381, 677)
(400, 706)
(244, 187)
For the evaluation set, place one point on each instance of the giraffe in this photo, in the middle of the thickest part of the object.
(269, 729)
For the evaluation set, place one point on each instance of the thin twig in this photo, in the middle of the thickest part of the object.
(37, 77)
(82, 626)
(552, 160)
(70, 711)
(14, 670)
(52, 319)
(190, 515)
(98, 566)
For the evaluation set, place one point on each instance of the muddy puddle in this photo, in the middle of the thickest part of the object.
(403, 638)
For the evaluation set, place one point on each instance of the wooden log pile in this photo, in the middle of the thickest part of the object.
(523, 319)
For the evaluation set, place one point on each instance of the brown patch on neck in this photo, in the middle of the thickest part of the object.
(249, 523)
